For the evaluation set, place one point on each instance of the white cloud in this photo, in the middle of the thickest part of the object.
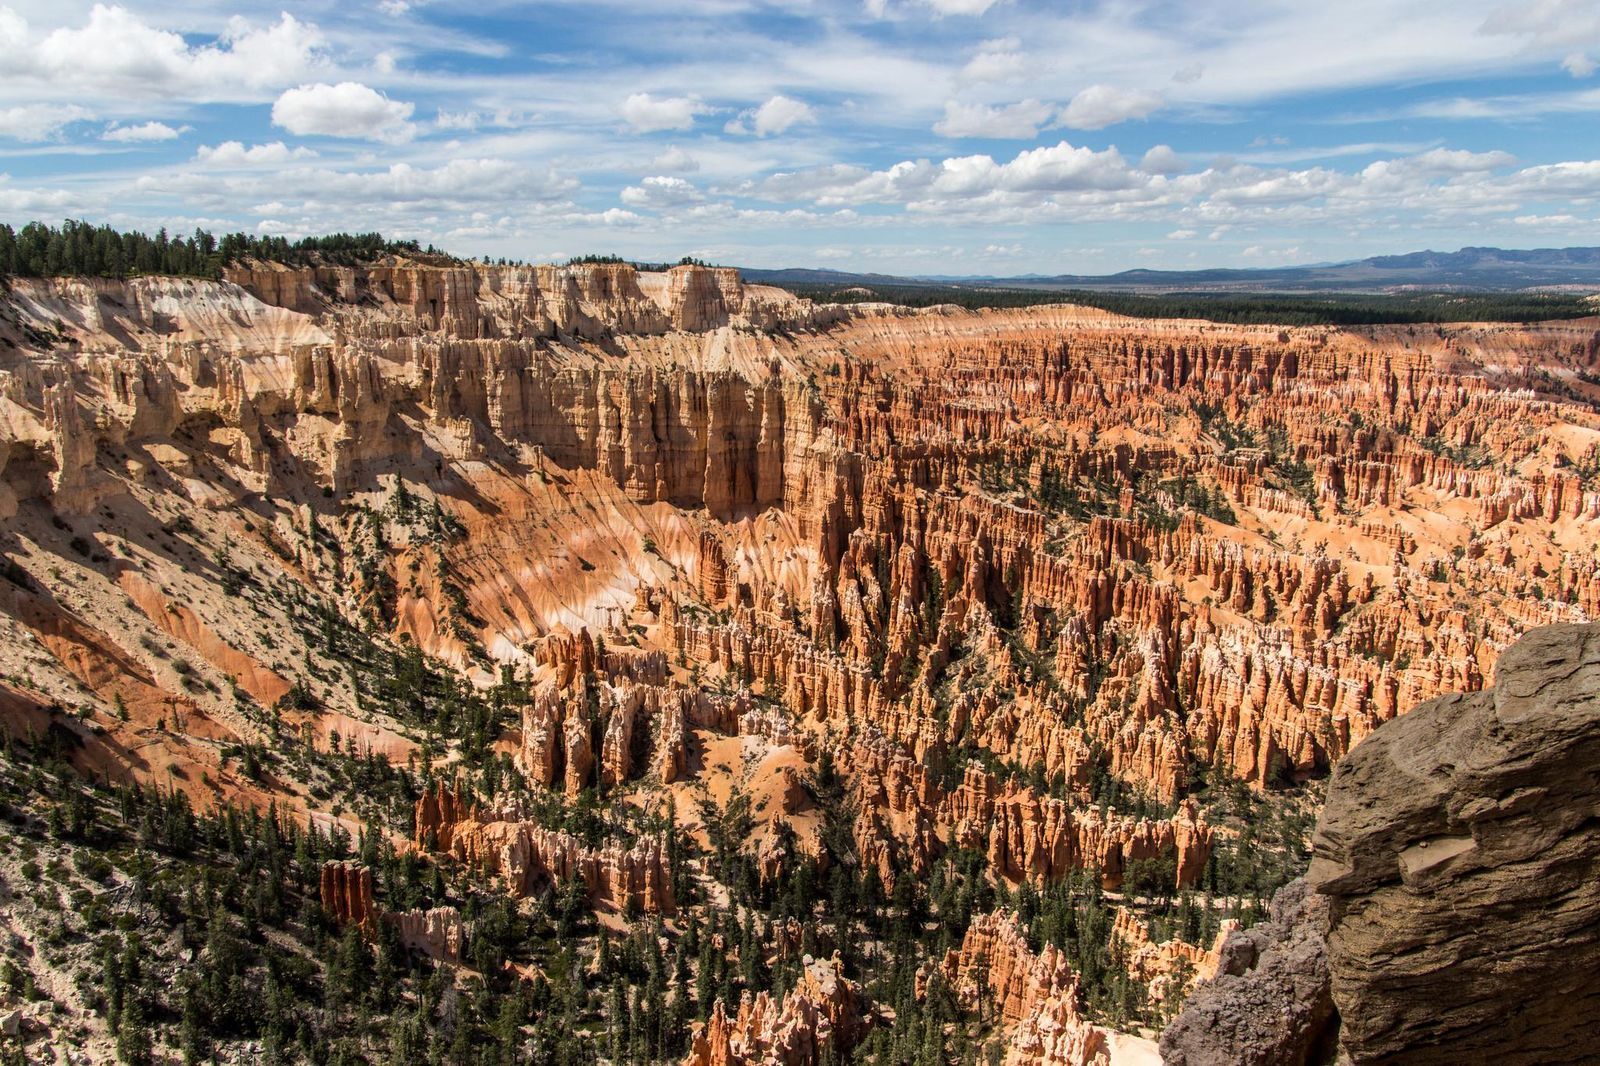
(1457, 161)
(348, 109)
(116, 52)
(778, 114)
(235, 154)
(660, 192)
(458, 182)
(996, 60)
(1100, 106)
(1182, 235)
(675, 159)
(1548, 25)
(1020, 120)
(34, 201)
(457, 120)
(143, 132)
(961, 7)
(1578, 65)
(1161, 159)
(38, 122)
(651, 114)
(879, 8)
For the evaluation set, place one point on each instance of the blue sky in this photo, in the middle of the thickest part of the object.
(904, 136)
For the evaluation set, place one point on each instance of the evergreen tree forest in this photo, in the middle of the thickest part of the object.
(83, 249)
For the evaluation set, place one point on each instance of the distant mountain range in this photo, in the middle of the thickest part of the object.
(1477, 269)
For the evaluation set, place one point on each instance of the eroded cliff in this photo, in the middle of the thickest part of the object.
(1034, 586)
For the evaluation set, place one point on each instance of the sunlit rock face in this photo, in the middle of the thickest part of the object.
(1039, 585)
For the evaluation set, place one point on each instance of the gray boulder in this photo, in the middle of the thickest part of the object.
(1459, 849)
(1271, 1003)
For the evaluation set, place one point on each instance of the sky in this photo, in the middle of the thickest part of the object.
(944, 137)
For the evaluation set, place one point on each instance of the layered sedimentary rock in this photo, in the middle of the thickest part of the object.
(1033, 997)
(1461, 855)
(1170, 968)
(819, 1020)
(347, 895)
(346, 889)
(907, 817)
(1012, 573)
(586, 300)
(1057, 535)
(526, 856)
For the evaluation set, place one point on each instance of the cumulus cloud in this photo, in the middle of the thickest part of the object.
(651, 114)
(117, 52)
(348, 109)
(1100, 106)
(1161, 159)
(1020, 120)
(1057, 168)
(143, 132)
(235, 154)
(1065, 182)
(995, 60)
(660, 192)
(778, 114)
(675, 159)
(38, 122)
(35, 201)
(1456, 161)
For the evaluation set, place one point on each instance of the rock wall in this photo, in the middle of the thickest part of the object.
(1460, 853)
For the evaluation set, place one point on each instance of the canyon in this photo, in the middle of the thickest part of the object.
(699, 576)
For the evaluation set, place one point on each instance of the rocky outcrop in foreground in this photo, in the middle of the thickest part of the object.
(1271, 1003)
(1452, 911)
(1460, 850)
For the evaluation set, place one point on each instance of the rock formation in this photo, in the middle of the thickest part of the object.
(907, 817)
(1034, 997)
(1461, 855)
(346, 892)
(1012, 574)
(526, 856)
(1270, 1003)
(1168, 969)
(819, 1020)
